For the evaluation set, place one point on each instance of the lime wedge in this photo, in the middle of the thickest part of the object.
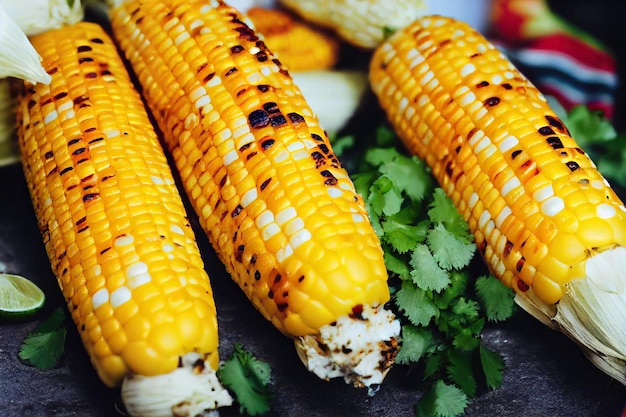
(19, 297)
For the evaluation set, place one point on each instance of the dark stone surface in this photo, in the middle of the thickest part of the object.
(546, 373)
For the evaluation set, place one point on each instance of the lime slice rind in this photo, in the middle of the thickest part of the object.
(19, 296)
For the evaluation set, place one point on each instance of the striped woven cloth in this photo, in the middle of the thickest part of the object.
(561, 60)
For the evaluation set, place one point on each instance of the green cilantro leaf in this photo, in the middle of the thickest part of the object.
(248, 378)
(363, 180)
(497, 299)
(428, 249)
(442, 210)
(416, 342)
(596, 135)
(441, 400)
(384, 197)
(493, 366)
(434, 364)
(426, 273)
(460, 371)
(401, 236)
(465, 340)
(408, 174)
(379, 156)
(385, 136)
(396, 265)
(416, 304)
(466, 308)
(458, 286)
(589, 126)
(343, 143)
(447, 249)
(44, 346)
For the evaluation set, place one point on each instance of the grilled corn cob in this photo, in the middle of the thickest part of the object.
(546, 221)
(115, 228)
(364, 23)
(299, 46)
(278, 207)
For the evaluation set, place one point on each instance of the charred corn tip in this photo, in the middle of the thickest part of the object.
(299, 46)
(542, 215)
(113, 223)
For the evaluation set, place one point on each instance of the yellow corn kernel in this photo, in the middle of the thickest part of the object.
(112, 220)
(542, 215)
(299, 46)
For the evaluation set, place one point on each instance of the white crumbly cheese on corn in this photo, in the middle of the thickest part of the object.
(359, 347)
(190, 390)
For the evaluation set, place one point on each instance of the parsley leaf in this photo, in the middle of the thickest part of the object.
(44, 346)
(248, 378)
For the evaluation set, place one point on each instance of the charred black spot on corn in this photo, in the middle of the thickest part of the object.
(258, 119)
(555, 142)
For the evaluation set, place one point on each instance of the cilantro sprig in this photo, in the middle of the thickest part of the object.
(442, 303)
(249, 379)
(44, 346)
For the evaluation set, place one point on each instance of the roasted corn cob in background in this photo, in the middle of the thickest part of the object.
(279, 209)
(38, 16)
(363, 23)
(115, 228)
(546, 221)
(299, 46)
(310, 55)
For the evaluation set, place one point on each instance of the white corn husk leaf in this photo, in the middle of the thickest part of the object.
(364, 23)
(37, 16)
(592, 311)
(18, 57)
(334, 95)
